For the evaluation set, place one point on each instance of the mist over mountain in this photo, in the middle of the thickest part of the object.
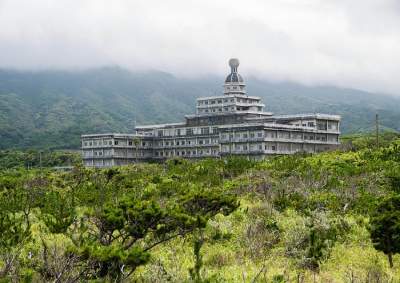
(51, 109)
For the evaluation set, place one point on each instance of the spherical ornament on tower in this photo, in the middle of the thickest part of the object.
(234, 63)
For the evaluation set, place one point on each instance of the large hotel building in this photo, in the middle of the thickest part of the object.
(233, 123)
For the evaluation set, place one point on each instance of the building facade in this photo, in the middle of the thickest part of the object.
(233, 123)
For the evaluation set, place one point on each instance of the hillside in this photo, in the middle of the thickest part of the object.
(50, 109)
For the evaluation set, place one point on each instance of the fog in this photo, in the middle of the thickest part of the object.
(315, 42)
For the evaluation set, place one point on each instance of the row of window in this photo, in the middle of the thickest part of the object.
(279, 134)
(97, 143)
(215, 101)
(116, 142)
(306, 124)
(186, 153)
(243, 135)
(245, 147)
(285, 147)
(187, 131)
(226, 100)
(187, 142)
(227, 109)
(235, 87)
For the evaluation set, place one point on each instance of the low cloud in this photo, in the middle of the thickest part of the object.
(338, 42)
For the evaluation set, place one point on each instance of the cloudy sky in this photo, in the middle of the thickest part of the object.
(351, 43)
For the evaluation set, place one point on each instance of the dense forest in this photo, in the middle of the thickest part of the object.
(328, 217)
(51, 109)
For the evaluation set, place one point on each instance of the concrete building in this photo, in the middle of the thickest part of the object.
(233, 123)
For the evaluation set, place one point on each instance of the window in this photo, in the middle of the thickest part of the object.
(273, 147)
(143, 144)
(219, 101)
(160, 133)
(310, 124)
(205, 131)
(115, 142)
(225, 100)
(130, 143)
(85, 143)
(245, 136)
(212, 101)
(259, 134)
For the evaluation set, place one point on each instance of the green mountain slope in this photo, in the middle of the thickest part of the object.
(50, 109)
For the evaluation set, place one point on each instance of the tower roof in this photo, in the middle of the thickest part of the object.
(234, 76)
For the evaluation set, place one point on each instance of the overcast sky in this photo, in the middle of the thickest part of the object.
(351, 43)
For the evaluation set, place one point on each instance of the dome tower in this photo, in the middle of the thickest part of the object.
(234, 83)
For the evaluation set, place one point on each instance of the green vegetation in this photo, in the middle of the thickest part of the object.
(368, 140)
(329, 217)
(51, 109)
(35, 158)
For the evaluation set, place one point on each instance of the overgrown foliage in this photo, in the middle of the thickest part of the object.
(329, 217)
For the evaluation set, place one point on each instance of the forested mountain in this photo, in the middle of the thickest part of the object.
(50, 109)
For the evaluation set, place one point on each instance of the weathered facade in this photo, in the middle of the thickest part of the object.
(231, 124)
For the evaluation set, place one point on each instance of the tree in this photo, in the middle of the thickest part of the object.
(126, 232)
(385, 227)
